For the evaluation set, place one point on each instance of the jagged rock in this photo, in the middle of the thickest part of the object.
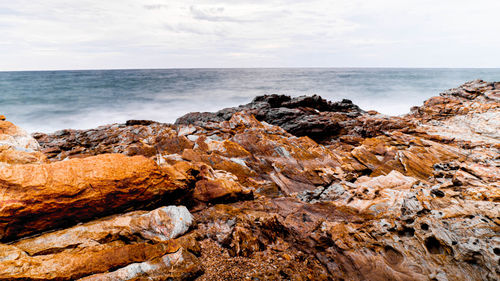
(219, 185)
(267, 107)
(133, 138)
(241, 146)
(256, 153)
(384, 228)
(404, 153)
(474, 96)
(39, 197)
(139, 244)
(468, 115)
(281, 189)
(310, 116)
(17, 146)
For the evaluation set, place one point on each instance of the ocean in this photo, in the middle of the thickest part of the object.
(46, 101)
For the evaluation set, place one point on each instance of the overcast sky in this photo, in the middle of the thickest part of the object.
(103, 34)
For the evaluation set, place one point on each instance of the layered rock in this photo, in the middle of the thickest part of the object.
(118, 244)
(280, 189)
(407, 154)
(38, 197)
(133, 138)
(254, 152)
(467, 114)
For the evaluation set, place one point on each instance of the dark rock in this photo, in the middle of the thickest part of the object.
(310, 116)
(139, 122)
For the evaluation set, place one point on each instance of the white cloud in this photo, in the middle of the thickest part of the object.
(61, 34)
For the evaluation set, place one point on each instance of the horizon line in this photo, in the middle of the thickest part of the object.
(274, 67)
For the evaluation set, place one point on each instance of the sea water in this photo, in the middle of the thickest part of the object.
(46, 101)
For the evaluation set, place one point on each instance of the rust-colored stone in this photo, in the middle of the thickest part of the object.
(120, 242)
(38, 197)
(17, 147)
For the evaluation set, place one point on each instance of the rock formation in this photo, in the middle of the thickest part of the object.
(123, 241)
(17, 146)
(279, 189)
(38, 197)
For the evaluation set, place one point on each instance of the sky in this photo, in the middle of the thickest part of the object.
(119, 34)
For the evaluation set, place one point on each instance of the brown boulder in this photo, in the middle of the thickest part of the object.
(38, 197)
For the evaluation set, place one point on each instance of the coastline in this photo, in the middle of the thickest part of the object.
(46, 101)
(281, 188)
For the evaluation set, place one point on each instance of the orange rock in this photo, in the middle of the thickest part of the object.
(77, 263)
(12, 156)
(38, 197)
(219, 185)
(161, 224)
(121, 243)
(404, 153)
(180, 265)
(17, 146)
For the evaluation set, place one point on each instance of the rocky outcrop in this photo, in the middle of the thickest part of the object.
(133, 138)
(279, 189)
(38, 197)
(407, 154)
(467, 115)
(242, 146)
(17, 146)
(311, 116)
(119, 244)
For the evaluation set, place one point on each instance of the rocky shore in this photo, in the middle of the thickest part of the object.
(279, 189)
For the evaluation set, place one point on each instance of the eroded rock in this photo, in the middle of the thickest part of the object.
(38, 197)
(17, 146)
(281, 189)
(133, 245)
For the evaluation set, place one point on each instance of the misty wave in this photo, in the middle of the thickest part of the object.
(52, 100)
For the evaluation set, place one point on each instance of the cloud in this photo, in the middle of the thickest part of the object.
(155, 6)
(57, 34)
(213, 14)
(193, 29)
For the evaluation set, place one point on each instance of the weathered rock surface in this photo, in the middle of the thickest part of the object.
(311, 116)
(38, 197)
(469, 113)
(17, 146)
(133, 138)
(280, 189)
(120, 243)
